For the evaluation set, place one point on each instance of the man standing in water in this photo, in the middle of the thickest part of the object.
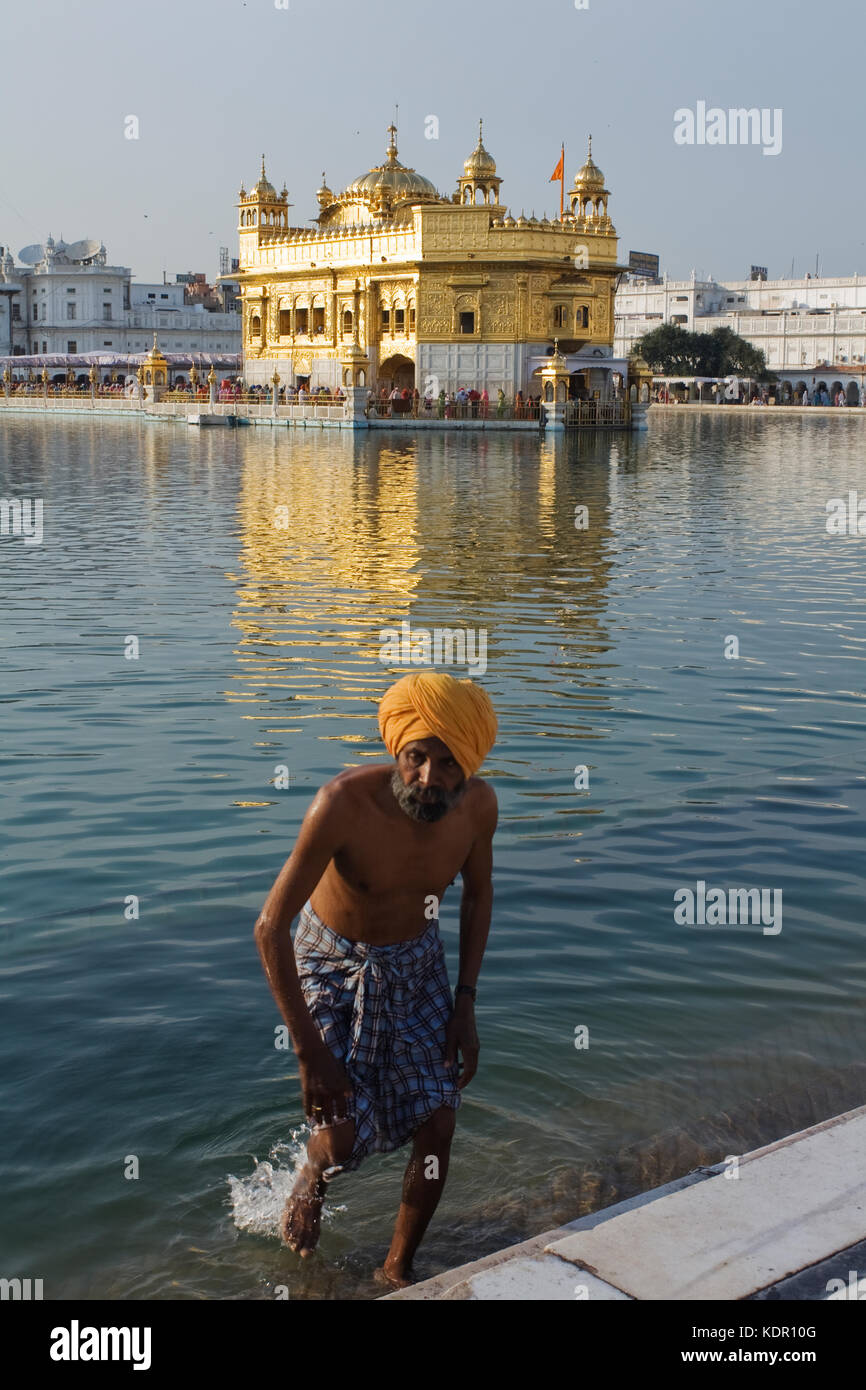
(365, 990)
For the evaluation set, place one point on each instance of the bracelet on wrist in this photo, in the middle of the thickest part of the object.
(465, 989)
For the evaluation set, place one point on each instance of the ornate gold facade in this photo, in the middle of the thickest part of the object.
(398, 285)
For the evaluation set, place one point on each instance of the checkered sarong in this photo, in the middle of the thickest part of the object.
(382, 1010)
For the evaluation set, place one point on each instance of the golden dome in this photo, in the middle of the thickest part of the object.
(589, 175)
(480, 162)
(324, 195)
(403, 183)
(264, 189)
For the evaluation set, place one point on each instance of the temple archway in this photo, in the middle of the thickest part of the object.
(397, 370)
(578, 389)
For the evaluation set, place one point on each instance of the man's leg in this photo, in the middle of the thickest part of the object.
(423, 1185)
(301, 1220)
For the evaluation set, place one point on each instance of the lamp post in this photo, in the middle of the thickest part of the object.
(276, 383)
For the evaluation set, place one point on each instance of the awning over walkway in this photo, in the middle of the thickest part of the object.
(58, 360)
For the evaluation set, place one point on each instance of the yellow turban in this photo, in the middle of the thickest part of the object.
(432, 704)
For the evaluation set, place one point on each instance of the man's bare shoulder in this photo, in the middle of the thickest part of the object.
(355, 785)
(481, 800)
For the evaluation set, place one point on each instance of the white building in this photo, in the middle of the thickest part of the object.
(13, 338)
(68, 299)
(180, 327)
(814, 325)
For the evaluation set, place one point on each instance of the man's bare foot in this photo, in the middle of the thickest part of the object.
(301, 1221)
(394, 1276)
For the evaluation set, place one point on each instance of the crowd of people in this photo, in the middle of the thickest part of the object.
(235, 390)
(467, 402)
(755, 395)
(62, 386)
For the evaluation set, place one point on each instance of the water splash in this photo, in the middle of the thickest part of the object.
(258, 1200)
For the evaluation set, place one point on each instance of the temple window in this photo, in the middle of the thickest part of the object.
(301, 320)
(386, 320)
(411, 318)
(255, 326)
(285, 323)
(318, 320)
(560, 315)
(347, 322)
(399, 320)
(467, 321)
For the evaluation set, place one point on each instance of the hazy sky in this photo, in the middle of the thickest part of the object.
(314, 87)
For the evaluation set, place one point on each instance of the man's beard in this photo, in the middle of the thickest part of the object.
(424, 805)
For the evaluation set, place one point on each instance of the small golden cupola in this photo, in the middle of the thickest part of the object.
(264, 190)
(588, 196)
(263, 206)
(324, 197)
(479, 182)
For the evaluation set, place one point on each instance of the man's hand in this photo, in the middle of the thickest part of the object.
(461, 1034)
(325, 1085)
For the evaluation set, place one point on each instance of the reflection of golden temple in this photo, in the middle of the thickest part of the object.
(339, 544)
(348, 531)
(399, 286)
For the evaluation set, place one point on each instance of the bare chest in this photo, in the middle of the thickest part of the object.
(382, 859)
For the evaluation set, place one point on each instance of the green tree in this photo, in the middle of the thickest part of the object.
(672, 349)
(668, 349)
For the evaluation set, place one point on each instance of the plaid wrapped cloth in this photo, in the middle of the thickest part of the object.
(382, 1010)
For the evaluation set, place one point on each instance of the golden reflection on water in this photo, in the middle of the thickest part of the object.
(342, 537)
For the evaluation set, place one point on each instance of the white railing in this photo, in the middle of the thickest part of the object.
(72, 402)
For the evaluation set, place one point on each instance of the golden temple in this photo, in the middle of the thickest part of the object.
(398, 286)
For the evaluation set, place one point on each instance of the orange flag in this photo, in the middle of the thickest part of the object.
(558, 171)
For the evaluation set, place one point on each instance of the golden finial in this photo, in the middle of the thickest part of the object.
(589, 155)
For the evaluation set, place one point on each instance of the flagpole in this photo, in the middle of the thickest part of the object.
(562, 183)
